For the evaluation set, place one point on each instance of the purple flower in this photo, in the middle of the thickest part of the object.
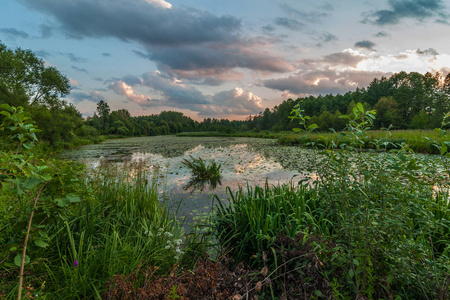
(75, 263)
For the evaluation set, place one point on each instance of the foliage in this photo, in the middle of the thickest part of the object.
(369, 225)
(202, 173)
(25, 81)
(26, 179)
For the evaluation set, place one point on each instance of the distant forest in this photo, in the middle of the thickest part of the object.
(404, 100)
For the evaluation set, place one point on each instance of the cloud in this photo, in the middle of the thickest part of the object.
(310, 16)
(80, 69)
(407, 9)
(46, 31)
(42, 53)
(142, 21)
(346, 58)
(234, 102)
(289, 23)
(73, 58)
(324, 38)
(382, 34)
(73, 82)
(366, 44)
(177, 39)
(221, 59)
(121, 88)
(174, 93)
(13, 33)
(160, 3)
(132, 80)
(93, 96)
(322, 82)
(427, 52)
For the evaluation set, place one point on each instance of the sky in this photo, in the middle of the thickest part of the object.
(225, 59)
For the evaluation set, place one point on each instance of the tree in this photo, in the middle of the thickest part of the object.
(103, 113)
(26, 81)
(387, 113)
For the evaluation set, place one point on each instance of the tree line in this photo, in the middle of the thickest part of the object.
(403, 100)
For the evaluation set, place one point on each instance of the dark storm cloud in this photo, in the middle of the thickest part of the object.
(289, 23)
(365, 44)
(92, 96)
(46, 31)
(73, 58)
(174, 94)
(14, 33)
(382, 34)
(308, 16)
(138, 20)
(268, 28)
(175, 38)
(428, 52)
(191, 58)
(327, 7)
(411, 9)
(322, 82)
(43, 54)
(325, 38)
(131, 80)
(80, 69)
(347, 59)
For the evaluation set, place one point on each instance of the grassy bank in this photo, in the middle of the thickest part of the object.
(363, 225)
(415, 139)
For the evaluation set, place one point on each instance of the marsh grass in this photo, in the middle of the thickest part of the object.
(120, 224)
(202, 173)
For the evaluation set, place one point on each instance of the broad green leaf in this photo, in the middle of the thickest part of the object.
(360, 107)
(40, 243)
(18, 259)
(73, 198)
(62, 202)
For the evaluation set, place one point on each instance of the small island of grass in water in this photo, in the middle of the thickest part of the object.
(202, 173)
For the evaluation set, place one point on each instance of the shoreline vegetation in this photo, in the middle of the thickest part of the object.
(415, 139)
(364, 225)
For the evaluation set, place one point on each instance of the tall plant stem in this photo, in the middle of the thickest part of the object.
(22, 264)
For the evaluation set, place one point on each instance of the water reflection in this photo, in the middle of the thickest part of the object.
(242, 162)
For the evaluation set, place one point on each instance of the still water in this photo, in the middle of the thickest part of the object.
(243, 161)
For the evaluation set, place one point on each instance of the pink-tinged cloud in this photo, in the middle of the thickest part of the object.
(323, 82)
(174, 93)
(121, 88)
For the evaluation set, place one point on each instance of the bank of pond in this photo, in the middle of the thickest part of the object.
(286, 222)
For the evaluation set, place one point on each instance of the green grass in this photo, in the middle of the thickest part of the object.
(120, 224)
(415, 139)
(202, 172)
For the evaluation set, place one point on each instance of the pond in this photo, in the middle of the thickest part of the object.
(251, 161)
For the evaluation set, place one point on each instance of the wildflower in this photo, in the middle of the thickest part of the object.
(167, 247)
(75, 263)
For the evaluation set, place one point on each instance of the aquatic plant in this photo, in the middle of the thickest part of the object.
(203, 173)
